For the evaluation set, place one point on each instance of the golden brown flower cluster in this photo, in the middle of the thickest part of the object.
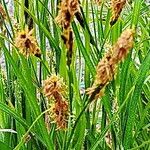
(116, 6)
(60, 114)
(55, 89)
(106, 67)
(68, 8)
(27, 44)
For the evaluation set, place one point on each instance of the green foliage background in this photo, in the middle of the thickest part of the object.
(119, 120)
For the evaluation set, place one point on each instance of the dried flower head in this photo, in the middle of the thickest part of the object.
(106, 67)
(27, 44)
(123, 45)
(116, 6)
(105, 70)
(104, 73)
(55, 89)
(2, 15)
(54, 85)
(68, 41)
(68, 8)
(60, 114)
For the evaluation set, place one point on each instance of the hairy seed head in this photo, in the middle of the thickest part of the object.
(116, 6)
(27, 44)
(68, 8)
(55, 89)
(123, 45)
(66, 13)
(54, 86)
(106, 67)
(60, 114)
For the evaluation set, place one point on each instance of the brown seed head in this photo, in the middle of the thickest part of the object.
(27, 44)
(54, 86)
(67, 10)
(123, 45)
(55, 89)
(60, 114)
(73, 6)
(116, 6)
(106, 67)
(105, 70)
(104, 73)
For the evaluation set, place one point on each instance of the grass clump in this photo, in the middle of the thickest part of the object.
(74, 75)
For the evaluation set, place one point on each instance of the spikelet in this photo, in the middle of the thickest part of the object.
(68, 9)
(64, 17)
(27, 44)
(105, 70)
(68, 41)
(116, 6)
(124, 43)
(52, 85)
(55, 90)
(60, 114)
(104, 73)
(106, 67)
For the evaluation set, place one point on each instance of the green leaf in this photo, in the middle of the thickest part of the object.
(83, 50)
(3, 146)
(128, 135)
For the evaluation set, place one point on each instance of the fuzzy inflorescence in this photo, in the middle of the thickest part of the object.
(68, 8)
(55, 90)
(116, 6)
(107, 66)
(27, 44)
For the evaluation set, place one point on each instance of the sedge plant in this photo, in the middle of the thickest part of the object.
(74, 75)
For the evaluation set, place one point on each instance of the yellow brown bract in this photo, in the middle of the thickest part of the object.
(106, 67)
(55, 90)
(27, 44)
(116, 6)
